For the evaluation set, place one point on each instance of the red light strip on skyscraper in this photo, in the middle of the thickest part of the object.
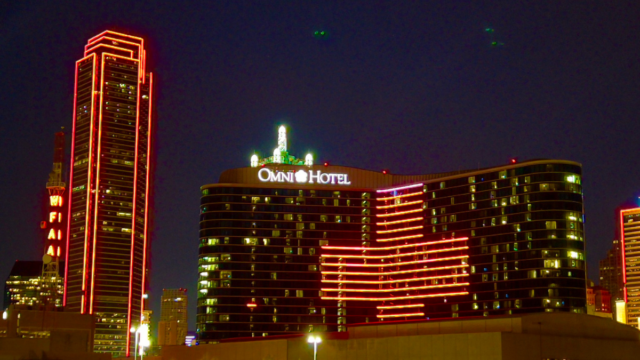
(394, 247)
(385, 223)
(399, 196)
(398, 263)
(395, 289)
(398, 205)
(89, 177)
(399, 315)
(399, 213)
(133, 218)
(73, 136)
(389, 281)
(393, 255)
(146, 196)
(400, 229)
(400, 238)
(394, 272)
(97, 188)
(111, 47)
(399, 188)
(400, 306)
(394, 297)
(87, 49)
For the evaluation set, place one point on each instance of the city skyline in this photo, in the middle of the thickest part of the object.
(341, 105)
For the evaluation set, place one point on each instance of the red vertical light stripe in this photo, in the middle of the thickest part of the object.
(146, 196)
(73, 138)
(133, 218)
(624, 257)
(97, 187)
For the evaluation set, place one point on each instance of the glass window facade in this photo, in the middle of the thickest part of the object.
(430, 247)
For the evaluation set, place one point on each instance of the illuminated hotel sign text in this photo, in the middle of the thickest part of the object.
(303, 177)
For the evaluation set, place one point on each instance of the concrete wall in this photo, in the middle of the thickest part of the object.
(564, 336)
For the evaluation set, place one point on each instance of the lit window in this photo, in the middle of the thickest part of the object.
(299, 293)
(550, 225)
(503, 174)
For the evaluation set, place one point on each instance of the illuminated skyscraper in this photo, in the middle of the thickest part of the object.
(107, 239)
(630, 234)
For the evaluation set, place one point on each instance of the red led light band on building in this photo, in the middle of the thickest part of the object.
(111, 47)
(399, 315)
(73, 135)
(384, 223)
(394, 247)
(400, 238)
(401, 229)
(399, 196)
(398, 263)
(426, 287)
(133, 218)
(87, 49)
(399, 213)
(400, 306)
(394, 297)
(394, 272)
(398, 205)
(146, 197)
(393, 255)
(399, 188)
(389, 281)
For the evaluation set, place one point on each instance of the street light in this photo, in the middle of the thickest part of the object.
(135, 351)
(315, 340)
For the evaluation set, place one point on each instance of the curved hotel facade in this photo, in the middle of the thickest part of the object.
(289, 247)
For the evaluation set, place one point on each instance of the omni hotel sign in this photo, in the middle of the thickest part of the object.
(303, 177)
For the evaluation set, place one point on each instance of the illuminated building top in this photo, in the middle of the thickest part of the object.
(280, 154)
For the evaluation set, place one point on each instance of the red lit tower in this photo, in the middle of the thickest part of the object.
(107, 239)
(54, 227)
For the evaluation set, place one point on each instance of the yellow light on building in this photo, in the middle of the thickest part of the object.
(621, 311)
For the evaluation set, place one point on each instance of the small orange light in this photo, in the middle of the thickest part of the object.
(251, 305)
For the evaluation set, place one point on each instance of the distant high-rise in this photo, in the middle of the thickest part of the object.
(172, 328)
(630, 243)
(107, 236)
(611, 271)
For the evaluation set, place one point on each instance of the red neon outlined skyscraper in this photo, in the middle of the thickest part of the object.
(109, 188)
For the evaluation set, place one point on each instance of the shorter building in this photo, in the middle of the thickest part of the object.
(598, 301)
(172, 327)
(25, 285)
(45, 334)
(527, 337)
(611, 271)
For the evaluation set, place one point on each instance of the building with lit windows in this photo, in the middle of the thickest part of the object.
(108, 196)
(26, 286)
(173, 326)
(630, 243)
(611, 271)
(287, 246)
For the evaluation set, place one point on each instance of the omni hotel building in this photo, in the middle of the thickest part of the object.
(289, 247)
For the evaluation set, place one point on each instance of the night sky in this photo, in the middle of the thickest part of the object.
(416, 87)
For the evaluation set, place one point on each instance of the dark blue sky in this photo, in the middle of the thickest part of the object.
(415, 87)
